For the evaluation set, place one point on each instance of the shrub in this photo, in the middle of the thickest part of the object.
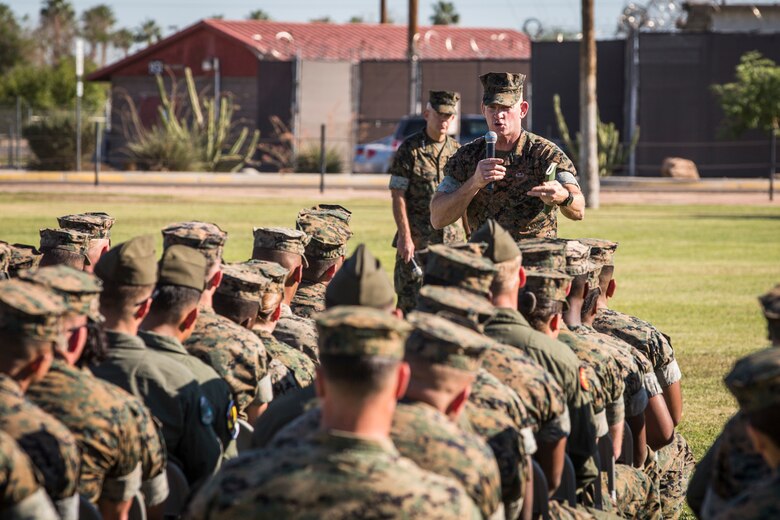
(52, 140)
(308, 160)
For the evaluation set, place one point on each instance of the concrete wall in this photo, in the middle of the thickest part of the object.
(326, 97)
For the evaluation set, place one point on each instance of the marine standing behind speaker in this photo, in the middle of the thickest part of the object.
(520, 190)
(418, 167)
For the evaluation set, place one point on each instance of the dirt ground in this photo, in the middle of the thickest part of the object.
(607, 197)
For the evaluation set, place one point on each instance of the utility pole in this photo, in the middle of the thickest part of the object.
(414, 62)
(382, 11)
(589, 163)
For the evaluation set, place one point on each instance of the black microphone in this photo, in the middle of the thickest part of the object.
(490, 150)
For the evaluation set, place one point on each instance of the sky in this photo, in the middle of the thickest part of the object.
(505, 14)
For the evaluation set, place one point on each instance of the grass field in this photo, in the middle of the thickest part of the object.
(694, 271)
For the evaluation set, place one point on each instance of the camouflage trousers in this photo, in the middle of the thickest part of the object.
(674, 466)
(636, 495)
(407, 286)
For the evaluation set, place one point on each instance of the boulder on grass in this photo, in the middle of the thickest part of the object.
(679, 168)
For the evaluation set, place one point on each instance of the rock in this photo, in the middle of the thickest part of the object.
(679, 168)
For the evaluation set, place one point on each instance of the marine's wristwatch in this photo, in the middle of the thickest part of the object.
(568, 200)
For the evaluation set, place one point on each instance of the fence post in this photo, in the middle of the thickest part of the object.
(18, 132)
(98, 151)
(322, 158)
(772, 164)
(11, 139)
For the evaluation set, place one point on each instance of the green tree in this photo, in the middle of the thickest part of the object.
(322, 19)
(444, 14)
(148, 32)
(258, 14)
(357, 19)
(57, 29)
(14, 44)
(123, 39)
(96, 27)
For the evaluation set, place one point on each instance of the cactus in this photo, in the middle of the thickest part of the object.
(612, 153)
(211, 132)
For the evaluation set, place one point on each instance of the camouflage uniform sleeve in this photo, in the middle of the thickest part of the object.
(455, 172)
(21, 496)
(401, 169)
(551, 153)
(154, 485)
(555, 428)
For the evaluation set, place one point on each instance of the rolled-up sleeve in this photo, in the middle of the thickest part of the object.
(448, 185)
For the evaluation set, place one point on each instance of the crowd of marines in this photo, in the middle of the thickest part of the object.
(492, 380)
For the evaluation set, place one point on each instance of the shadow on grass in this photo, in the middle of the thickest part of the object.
(714, 216)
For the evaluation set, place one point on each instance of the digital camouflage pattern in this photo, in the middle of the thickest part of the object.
(489, 393)
(675, 465)
(758, 502)
(96, 224)
(336, 211)
(432, 441)
(642, 335)
(637, 495)
(235, 353)
(362, 331)
(102, 426)
(67, 239)
(602, 252)
(440, 341)
(281, 239)
(737, 465)
(518, 213)
(335, 476)
(295, 367)
(21, 496)
(547, 283)
(206, 237)
(79, 289)
(437, 298)
(5, 259)
(31, 310)
(214, 388)
(606, 370)
(270, 270)
(502, 88)
(443, 101)
(242, 282)
(328, 235)
(451, 267)
(417, 169)
(173, 397)
(543, 253)
(297, 332)
(309, 299)
(755, 380)
(51, 447)
(23, 257)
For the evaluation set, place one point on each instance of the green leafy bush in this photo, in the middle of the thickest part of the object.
(53, 141)
(308, 160)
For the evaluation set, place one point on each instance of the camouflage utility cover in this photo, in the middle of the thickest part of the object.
(103, 428)
(329, 235)
(502, 88)
(602, 252)
(459, 268)
(281, 239)
(417, 169)
(361, 331)
(206, 237)
(442, 342)
(96, 224)
(66, 239)
(755, 380)
(23, 257)
(547, 283)
(577, 258)
(443, 101)
(436, 298)
(31, 310)
(52, 448)
(79, 289)
(331, 475)
(270, 270)
(329, 210)
(543, 254)
(508, 203)
(242, 282)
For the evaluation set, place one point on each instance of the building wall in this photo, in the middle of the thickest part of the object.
(326, 97)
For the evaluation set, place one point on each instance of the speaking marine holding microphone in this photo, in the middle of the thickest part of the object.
(519, 188)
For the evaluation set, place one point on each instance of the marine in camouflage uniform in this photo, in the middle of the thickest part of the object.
(183, 267)
(288, 368)
(32, 313)
(5, 259)
(102, 424)
(23, 257)
(98, 226)
(65, 246)
(231, 350)
(339, 474)
(416, 171)
(508, 202)
(420, 430)
(295, 331)
(171, 392)
(329, 231)
(755, 381)
(21, 495)
(732, 463)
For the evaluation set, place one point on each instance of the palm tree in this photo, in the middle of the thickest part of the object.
(258, 14)
(148, 32)
(96, 25)
(444, 14)
(57, 28)
(123, 39)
